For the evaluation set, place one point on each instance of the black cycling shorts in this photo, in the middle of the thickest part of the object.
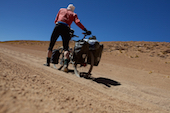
(63, 31)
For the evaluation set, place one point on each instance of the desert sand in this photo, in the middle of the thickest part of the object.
(132, 77)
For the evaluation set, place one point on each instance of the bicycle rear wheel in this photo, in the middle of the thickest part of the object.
(86, 69)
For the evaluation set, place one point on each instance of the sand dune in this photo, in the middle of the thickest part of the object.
(132, 77)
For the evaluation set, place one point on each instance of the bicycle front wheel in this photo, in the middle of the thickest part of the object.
(84, 70)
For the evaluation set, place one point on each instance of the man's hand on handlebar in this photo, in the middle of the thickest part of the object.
(87, 32)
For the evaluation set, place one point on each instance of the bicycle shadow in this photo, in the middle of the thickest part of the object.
(101, 80)
(105, 81)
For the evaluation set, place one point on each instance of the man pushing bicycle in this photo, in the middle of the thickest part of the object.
(63, 21)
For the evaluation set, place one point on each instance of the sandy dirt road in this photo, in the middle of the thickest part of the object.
(120, 85)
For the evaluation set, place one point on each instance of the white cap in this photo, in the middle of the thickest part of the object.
(71, 7)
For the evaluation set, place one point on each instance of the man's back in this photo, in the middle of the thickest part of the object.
(66, 16)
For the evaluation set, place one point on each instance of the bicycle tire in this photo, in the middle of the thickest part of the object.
(82, 73)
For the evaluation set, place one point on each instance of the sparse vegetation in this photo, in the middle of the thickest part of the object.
(167, 62)
(120, 51)
(136, 56)
(150, 72)
(131, 56)
(140, 50)
(166, 52)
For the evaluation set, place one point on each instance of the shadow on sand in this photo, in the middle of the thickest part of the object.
(105, 81)
(101, 80)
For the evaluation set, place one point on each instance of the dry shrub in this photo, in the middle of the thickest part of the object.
(166, 52)
(119, 48)
(140, 50)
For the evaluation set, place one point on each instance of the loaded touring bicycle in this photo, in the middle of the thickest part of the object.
(86, 54)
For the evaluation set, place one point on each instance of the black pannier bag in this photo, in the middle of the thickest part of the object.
(96, 49)
(81, 47)
(97, 55)
(55, 56)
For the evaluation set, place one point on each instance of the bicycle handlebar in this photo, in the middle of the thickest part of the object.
(85, 34)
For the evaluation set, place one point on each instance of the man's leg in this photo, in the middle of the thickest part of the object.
(66, 54)
(65, 34)
(53, 39)
(66, 60)
(49, 54)
(66, 57)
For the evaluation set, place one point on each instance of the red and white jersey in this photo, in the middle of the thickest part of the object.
(68, 17)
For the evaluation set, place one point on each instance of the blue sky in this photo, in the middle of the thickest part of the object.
(109, 20)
